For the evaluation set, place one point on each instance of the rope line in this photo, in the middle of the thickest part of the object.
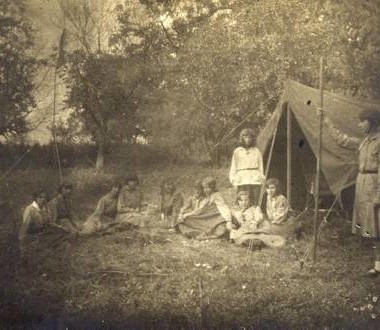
(16, 163)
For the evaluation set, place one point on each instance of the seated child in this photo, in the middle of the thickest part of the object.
(246, 219)
(278, 206)
(105, 211)
(61, 209)
(193, 202)
(129, 203)
(37, 226)
(279, 225)
(171, 202)
(209, 220)
(34, 219)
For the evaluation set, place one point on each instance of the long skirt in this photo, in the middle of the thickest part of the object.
(366, 214)
(272, 235)
(68, 225)
(207, 224)
(145, 218)
(95, 223)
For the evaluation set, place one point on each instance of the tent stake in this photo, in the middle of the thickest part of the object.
(319, 160)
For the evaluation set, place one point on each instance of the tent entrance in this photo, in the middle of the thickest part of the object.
(303, 160)
(303, 165)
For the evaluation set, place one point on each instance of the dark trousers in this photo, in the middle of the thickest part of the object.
(254, 192)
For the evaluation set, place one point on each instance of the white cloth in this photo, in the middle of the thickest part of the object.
(36, 206)
(278, 208)
(247, 167)
(249, 217)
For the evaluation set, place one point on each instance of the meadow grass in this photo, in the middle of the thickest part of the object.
(128, 278)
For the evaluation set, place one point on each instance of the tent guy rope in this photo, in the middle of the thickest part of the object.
(9, 170)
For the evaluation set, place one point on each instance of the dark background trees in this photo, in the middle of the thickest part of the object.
(18, 66)
(183, 75)
(224, 62)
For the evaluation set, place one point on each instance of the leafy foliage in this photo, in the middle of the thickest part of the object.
(107, 85)
(210, 67)
(17, 68)
(103, 98)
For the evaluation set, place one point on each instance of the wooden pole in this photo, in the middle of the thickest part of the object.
(268, 165)
(319, 161)
(289, 154)
(54, 126)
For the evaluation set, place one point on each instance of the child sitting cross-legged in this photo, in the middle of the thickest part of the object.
(171, 203)
(209, 219)
(105, 211)
(279, 225)
(278, 206)
(192, 203)
(245, 218)
(129, 203)
(280, 217)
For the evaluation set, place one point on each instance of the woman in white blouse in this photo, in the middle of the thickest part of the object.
(247, 168)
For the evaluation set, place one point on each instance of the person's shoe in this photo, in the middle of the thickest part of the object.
(373, 272)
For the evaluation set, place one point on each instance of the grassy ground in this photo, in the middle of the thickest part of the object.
(152, 279)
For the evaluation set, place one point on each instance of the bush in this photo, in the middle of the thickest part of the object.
(44, 156)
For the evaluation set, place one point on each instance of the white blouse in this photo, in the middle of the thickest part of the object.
(247, 167)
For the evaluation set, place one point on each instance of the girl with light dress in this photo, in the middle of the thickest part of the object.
(246, 218)
(247, 169)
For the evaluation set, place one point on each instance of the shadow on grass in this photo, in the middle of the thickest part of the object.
(113, 316)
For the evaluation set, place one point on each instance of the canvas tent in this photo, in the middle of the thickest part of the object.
(295, 126)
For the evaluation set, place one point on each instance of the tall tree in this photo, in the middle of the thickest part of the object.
(17, 68)
(230, 59)
(87, 25)
(103, 99)
(107, 84)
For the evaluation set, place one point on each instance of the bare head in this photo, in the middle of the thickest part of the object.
(272, 187)
(369, 120)
(243, 199)
(247, 138)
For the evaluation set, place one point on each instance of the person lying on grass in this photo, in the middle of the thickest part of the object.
(245, 218)
(105, 211)
(192, 203)
(36, 220)
(209, 220)
(61, 209)
(171, 203)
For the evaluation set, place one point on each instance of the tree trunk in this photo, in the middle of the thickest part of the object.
(100, 155)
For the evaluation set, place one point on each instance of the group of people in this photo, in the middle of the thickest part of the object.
(203, 215)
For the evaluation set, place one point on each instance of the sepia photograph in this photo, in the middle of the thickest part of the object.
(190, 164)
